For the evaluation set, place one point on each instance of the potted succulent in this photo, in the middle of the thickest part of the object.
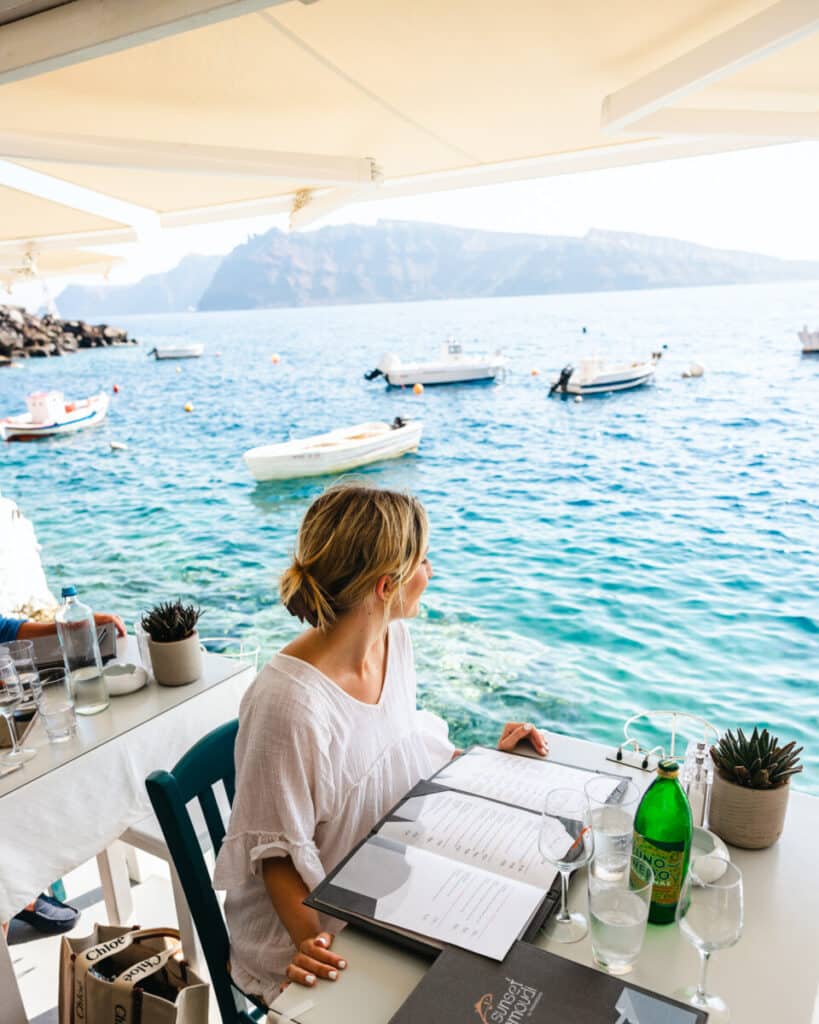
(173, 642)
(751, 786)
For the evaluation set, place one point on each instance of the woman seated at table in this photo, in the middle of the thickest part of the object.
(329, 734)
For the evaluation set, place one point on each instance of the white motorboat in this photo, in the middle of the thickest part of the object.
(334, 452)
(177, 351)
(453, 367)
(596, 377)
(809, 339)
(49, 414)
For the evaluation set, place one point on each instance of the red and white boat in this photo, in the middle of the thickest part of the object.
(49, 414)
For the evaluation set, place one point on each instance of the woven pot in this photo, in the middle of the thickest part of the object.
(178, 662)
(750, 818)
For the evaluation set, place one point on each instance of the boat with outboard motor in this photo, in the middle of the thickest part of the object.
(334, 452)
(49, 414)
(594, 376)
(809, 339)
(192, 351)
(453, 367)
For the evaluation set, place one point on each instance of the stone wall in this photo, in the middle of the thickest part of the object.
(23, 588)
(23, 335)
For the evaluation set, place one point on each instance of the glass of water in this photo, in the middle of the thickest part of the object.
(21, 653)
(618, 909)
(11, 694)
(613, 802)
(566, 842)
(56, 706)
(710, 916)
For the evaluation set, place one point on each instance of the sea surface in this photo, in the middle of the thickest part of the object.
(645, 550)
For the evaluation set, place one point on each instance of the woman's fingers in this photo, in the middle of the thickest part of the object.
(317, 948)
(514, 732)
(300, 975)
(312, 965)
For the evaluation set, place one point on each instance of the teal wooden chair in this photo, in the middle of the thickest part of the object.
(207, 763)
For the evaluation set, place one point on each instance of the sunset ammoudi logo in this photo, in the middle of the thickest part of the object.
(517, 1004)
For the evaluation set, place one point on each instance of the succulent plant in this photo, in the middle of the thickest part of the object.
(170, 620)
(758, 762)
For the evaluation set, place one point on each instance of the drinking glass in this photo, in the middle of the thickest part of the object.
(56, 706)
(566, 842)
(11, 693)
(710, 917)
(232, 647)
(618, 909)
(613, 803)
(21, 653)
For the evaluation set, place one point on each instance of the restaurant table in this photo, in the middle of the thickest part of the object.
(770, 976)
(74, 799)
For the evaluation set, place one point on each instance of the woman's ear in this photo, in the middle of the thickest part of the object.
(384, 588)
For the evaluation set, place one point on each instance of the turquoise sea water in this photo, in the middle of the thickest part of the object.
(656, 548)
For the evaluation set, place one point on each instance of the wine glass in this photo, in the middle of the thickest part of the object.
(21, 653)
(11, 693)
(565, 841)
(710, 917)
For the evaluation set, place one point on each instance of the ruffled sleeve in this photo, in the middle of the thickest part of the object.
(435, 734)
(284, 786)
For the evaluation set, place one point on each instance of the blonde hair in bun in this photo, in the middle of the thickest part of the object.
(350, 537)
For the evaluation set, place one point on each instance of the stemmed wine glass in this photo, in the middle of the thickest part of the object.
(566, 842)
(21, 653)
(710, 917)
(11, 693)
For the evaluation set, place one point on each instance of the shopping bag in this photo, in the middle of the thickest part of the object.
(120, 975)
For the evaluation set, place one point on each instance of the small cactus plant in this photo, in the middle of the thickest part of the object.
(170, 621)
(758, 762)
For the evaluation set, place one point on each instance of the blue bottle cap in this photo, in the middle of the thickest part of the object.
(69, 592)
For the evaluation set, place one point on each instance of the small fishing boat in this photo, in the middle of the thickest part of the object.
(596, 377)
(177, 351)
(809, 339)
(453, 367)
(334, 452)
(49, 414)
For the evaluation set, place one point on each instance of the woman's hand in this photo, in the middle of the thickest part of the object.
(102, 618)
(314, 960)
(514, 732)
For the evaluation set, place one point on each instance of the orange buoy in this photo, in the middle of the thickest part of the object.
(274, 358)
(115, 389)
(418, 389)
(188, 406)
(535, 371)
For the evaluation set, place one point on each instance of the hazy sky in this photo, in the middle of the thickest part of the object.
(761, 200)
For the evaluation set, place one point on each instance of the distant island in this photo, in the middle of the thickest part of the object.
(398, 261)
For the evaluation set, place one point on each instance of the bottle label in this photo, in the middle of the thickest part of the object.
(667, 861)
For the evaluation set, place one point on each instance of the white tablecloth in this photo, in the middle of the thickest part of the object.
(65, 817)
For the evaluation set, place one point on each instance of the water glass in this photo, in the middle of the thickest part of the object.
(613, 803)
(232, 647)
(21, 653)
(710, 916)
(566, 842)
(56, 706)
(11, 694)
(618, 910)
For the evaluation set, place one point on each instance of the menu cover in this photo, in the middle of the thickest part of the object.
(459, 863)
(532, 986)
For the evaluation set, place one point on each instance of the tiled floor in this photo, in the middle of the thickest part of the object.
(36, 957)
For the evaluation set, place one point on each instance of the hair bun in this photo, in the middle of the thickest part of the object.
(303, 597)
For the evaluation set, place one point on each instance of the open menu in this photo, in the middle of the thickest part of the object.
(456, 862)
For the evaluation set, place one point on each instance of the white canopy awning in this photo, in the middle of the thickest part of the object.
(198, 110)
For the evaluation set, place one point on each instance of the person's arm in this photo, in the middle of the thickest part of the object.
(287, 891)
(32, 630)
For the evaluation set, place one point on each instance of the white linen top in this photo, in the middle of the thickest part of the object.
(315, 770)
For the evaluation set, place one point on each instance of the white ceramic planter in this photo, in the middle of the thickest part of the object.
(178, 662)
(749, 818)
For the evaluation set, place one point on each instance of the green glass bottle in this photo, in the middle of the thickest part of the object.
(662, 836)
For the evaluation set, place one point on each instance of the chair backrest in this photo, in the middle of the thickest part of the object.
(205, 765)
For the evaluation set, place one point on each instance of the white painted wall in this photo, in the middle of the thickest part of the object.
(23, 586)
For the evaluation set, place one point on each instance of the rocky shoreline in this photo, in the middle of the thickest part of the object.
(25, 336)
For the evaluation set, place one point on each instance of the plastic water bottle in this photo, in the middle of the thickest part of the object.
(81, 653)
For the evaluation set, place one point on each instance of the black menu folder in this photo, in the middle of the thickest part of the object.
(456, 862)
(532, 986)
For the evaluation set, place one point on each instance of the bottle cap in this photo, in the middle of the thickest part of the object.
(668, 769)
(69, 592)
